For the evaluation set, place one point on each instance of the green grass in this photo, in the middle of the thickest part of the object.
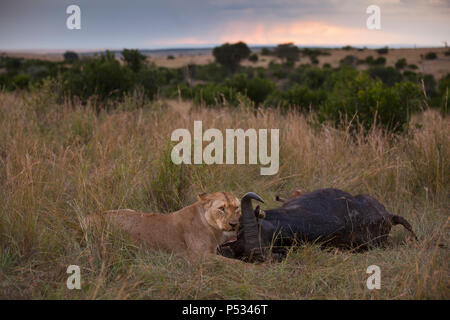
(61, 161)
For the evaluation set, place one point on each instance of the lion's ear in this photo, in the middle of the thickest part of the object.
(202, 197)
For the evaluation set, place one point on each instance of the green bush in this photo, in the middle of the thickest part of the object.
(410, 76)
(211, 72)
(300, 97)
(101, 76)
(430, 85)
(133, 59)
(375, 62)
(265, 52)
(213, 94)
(380, 61)
(310, 76)
(349, 60)
(277, 70)
(443, 93)
(257, 89)
(369, 100)
(253, 57)
(401, 64)
(369, 60)
(388, 75)
(21, 81)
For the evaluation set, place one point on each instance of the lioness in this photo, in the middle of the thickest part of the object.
(196, 229)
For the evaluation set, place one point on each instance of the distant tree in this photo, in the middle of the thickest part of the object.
(265, 52)
(401, 64)
(253, 58)
(70, 56)
(230, 55)
(133, 58)
(384, 50)
(379, 61)
(287, 51)
(349, 60)
(430, 56)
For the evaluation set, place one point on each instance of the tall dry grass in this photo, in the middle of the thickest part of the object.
(60, 161)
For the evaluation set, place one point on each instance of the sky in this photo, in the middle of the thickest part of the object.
(156, 24)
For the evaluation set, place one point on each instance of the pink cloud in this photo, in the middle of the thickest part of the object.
(306, 32)
(299, 32)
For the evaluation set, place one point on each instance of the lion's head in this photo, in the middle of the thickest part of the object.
(222, 211)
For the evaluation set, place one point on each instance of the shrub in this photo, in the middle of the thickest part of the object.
(430, 56)
(310, 76)
(21, 81)
(211, 72)
(400, 64)
(413, 67)
(253, 57)
(277, 70)
(369, 60)
(349, 60)
(380, 61)
(133, 59)
(388, 75)
(170, 57)
(102, 76)
(5, 81)
(430, 84)
(148, 80)
(347, 48)
(299, 96)
(369, 100)
(410, 76)
(257, 89)
(443, 93)
(265, 52)
(375, 62)
(213, 94)
(314, 60)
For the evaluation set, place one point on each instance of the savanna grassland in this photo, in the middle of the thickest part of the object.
(61, 160)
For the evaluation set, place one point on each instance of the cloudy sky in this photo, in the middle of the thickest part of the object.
(115, 24)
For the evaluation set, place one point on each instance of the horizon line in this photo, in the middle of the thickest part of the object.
(211, 46)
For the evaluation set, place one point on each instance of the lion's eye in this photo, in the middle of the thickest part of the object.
(222, 209)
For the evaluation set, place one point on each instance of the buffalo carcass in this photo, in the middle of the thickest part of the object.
(330, 217)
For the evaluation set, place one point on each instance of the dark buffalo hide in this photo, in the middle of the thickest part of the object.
(330, 217)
